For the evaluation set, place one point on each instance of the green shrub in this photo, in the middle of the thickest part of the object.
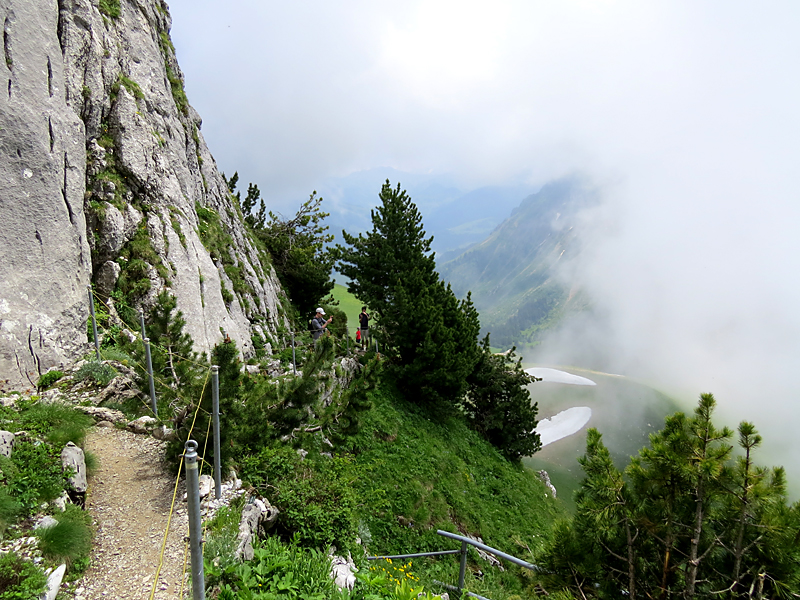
(115, 354)
(20, 579)
(70, 539)
(276, 571)
(316, 502)
(48, 379)
(99, 372)
(91, 461)
(129, 84)
(221, 535)
(32, 475)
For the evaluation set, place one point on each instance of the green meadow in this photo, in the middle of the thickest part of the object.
(349, 304)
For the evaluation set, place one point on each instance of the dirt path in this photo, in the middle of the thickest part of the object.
(129, 498)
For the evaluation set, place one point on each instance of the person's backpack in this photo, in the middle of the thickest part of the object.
(311, 325)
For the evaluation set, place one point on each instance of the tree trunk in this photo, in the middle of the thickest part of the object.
(631, 561)
(738, 548)
(694, 555)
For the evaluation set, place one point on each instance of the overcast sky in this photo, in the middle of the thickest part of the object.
(685, 114)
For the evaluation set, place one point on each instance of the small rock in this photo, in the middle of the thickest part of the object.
(162, 432)
(120, 389)
(61, 502)
(206, 484)
(45, 522)
(142, 424)
(6, 443)
(545, 477)
(72, 458)
(54, 582)
(343, 571)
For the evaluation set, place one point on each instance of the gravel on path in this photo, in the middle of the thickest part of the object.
(129, 498)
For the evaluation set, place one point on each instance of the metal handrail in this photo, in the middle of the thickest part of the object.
(465, 542)
(484, 547)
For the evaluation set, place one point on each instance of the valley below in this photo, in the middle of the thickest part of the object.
(571, 400)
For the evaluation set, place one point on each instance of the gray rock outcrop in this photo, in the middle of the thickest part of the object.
(72, 458)
(107, 179)
(257, 517)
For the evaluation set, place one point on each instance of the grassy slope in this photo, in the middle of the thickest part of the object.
(436, 473)
(349, 304)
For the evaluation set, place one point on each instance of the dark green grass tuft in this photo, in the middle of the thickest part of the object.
(57, 422)
(70, 540)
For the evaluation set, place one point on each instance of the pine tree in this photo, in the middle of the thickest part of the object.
(298, 248)
(681, 520)
(498, 404)
(430, 337)
(607, 515)
(171, 348)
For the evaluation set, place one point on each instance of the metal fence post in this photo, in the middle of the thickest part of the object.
(141, 321)
(376, 346)
(294, 362)
(217, 442)
(94, 323)
(195, 526)
(463, 568)
(149, 358)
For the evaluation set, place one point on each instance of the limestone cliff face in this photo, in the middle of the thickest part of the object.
(107, 178)
(44, 256)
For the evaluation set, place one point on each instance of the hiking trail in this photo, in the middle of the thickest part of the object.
(129, 498)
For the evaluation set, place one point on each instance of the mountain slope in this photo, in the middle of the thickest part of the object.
(111, 182)
(516, 274)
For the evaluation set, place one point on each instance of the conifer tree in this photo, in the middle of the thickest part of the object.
(172, 353)
(498, 403)
(607, 515)
(682, 520)
(430, 336)
(297, 246)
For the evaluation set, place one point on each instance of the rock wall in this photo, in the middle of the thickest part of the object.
(108, 178)
(44, 256)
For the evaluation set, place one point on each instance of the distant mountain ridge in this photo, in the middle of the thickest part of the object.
(515, 275)
(455, 218)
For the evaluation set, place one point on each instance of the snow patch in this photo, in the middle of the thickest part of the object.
(563, 424)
